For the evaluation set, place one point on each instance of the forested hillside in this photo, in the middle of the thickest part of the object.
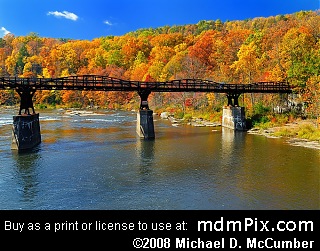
(279, 48)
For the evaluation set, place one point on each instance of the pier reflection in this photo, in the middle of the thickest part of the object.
(27, 172)
(146, 151)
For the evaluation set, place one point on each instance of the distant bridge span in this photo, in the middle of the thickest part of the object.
(26, 87)
(105, 83)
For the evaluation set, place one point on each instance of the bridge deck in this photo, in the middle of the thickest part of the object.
(105, 83)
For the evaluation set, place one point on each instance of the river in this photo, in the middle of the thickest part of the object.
(95, 160)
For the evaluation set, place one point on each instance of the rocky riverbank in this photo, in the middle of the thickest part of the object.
(291, 133)
(197, 122)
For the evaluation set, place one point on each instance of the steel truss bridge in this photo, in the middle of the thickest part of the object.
(26, 87)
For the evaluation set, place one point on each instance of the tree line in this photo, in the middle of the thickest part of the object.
(276, 48)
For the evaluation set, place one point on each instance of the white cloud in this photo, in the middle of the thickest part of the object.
(108, 23)
(64, 14)
(3, 32)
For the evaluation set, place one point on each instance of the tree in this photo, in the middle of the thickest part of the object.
(203, 47)
(311, 94)
(192, 68)
(296, 48)
(225, 53)
(250, 59)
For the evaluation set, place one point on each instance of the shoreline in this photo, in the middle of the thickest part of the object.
(269, 132)
(294, 141)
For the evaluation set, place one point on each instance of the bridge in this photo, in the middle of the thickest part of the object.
(26, 87)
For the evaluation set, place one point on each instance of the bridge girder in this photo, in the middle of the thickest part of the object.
(26, 87)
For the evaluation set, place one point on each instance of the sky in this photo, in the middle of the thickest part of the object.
(89, 19)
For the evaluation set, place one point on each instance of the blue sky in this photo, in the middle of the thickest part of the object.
(89, 19)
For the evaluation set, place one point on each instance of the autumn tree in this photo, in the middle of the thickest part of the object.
(250, 59)
(203, 47)
(225, 53)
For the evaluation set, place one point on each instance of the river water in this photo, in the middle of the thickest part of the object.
(95, 160)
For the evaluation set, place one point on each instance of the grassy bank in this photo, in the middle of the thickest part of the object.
(306, 130)
(291, 124)
(290, 127)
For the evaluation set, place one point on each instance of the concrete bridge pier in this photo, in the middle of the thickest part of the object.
(26, 127)
(25, 132)
(233, 115)
(145, 125)
(234, 118)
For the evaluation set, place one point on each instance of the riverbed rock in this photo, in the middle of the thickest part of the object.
(164, 115)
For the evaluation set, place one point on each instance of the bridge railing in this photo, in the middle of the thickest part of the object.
(105, 83)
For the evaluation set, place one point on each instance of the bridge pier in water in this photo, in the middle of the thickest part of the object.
(25, 132)
(233, 115)
(26, 127)
(145, 125)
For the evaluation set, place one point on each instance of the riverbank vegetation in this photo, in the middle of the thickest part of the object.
(277, 48)
(290, 124)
